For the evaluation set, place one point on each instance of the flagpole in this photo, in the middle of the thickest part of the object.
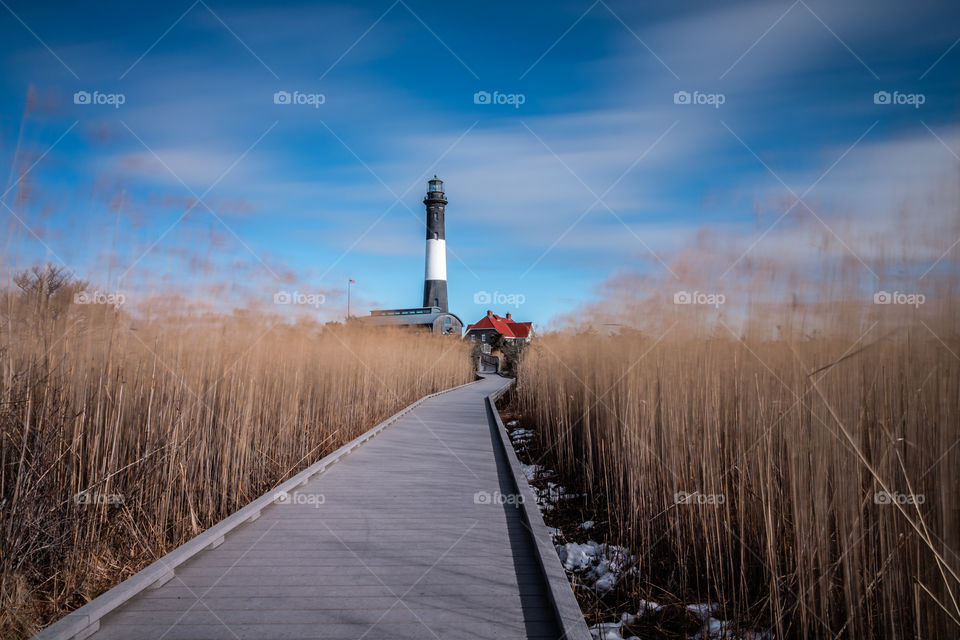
(350, 281)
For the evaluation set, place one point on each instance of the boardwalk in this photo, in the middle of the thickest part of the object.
(412, 535)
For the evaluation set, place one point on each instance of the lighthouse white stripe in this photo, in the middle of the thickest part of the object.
(436, 260)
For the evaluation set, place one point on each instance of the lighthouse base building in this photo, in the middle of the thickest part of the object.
(433, 319)
(433, 315)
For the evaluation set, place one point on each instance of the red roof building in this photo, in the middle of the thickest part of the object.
(505, 326)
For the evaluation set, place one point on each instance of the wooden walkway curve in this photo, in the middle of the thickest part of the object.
(417, 533)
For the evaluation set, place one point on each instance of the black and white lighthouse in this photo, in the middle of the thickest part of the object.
(433, 315)
(435, 277)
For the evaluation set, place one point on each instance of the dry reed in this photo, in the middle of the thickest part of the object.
(807, 482)
(169, 425)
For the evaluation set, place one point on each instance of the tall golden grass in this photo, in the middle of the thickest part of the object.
(822, 461)
(185, 419)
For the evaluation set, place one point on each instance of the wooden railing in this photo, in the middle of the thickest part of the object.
(489, 362)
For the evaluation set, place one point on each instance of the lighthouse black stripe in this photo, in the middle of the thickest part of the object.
(435, 294)
(435, 214)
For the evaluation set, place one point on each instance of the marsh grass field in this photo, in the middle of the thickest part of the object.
(793, 462)
(123, 437)
(803, 475)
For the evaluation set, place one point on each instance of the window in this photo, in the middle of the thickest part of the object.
(483, 337)
(436, 236)
(447, 321)
(474, 337)
(436, 302)
(436, 215)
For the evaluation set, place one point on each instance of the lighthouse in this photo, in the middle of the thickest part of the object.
(435, 276)
(433, 315)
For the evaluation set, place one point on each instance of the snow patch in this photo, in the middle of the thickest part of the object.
(601, 565)
(720, 629)
(716, 629)
(548, 496)
(552, 493)
(531, 471)
(521, 435)
(703, 611)
(606, 631)
(648, 606)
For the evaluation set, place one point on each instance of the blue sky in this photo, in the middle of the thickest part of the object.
(200, 185)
